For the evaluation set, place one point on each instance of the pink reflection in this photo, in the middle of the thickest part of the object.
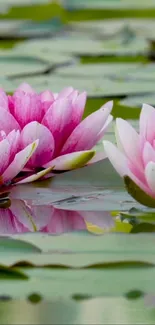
(25, 217)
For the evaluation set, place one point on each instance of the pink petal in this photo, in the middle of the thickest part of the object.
(8, 122)
(65, 92)
(47, 98)
(4, 155)
(26, 107)
(42, 215)
(147, 121)
(20, 228)
(150, 176)
(148, 153)
(23, 214)
(20, 160)
(78, 104)
(3, 100)
(65, 221)
(26, 88)
(117, 158)
(85, 135)
(145, 116)
(14, 141)
(99, 155)
(58, 119)
(55, 96)
(137, 171)
(102, 219)
(120, 163)
(73, 96)
(130, 142)
(71, 161)
(7, 224)
(45, 149)
(105, 128)
(150, 136)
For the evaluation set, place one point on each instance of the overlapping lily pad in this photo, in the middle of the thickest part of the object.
(101, 87)
(112, 4)
(10, 67)
(65, 45)
(130, 27)
(49, 58)
(18, 29)
(137, 101)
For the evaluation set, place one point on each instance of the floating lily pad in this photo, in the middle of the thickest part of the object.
(28, 29)
(56, 83)
(94, 87)
(112, 4)
(10, 67)
(137, 101)
(143, 72)
(40, 29)
(96, 187)
(23, 2)
(116, 27)
(125, 43)
(69, 46)
(56, 283)
(9, 26)
(115, 71)
(50, 58)
(98, 70)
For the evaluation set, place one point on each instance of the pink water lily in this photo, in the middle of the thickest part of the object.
(24, 216)
(134, 155)
(65, 141)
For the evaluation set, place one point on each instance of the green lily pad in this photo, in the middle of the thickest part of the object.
(137, 101)
(9, 26)
(65, 45)
(93, 188)
(143, 215)
(114, 27)
(8, 246)
(99, 70)
(85, 242)
(143, 227)
(112, 4)
(48, 57)
(56, 283)
(14, 29)
(10, 67)
(95, 87)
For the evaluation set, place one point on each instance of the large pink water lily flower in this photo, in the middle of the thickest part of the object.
(134, 155)
(51, 126)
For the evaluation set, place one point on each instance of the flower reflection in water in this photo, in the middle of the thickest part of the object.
(22, 216)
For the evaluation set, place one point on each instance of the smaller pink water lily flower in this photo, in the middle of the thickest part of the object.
(65, 141)
(134, 155)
